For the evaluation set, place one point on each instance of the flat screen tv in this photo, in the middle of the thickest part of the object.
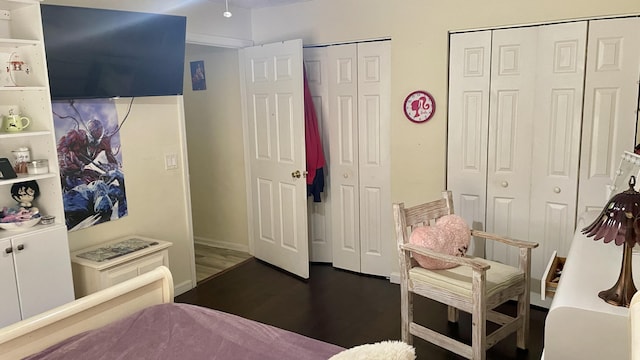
(97, 53)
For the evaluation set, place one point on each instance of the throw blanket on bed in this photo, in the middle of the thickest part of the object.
(182, 331)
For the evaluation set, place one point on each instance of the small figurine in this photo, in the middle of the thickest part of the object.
(25, 193)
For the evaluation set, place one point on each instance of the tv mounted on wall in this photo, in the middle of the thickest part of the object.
(98, 53)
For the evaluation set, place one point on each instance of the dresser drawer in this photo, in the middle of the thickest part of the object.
(551, 276)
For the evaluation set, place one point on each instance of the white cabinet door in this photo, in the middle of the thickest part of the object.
(43, 270)
(9, 305)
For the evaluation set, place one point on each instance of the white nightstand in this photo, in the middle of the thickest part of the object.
(104, 265)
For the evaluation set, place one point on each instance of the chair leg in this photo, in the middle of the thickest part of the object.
(523, 311)
(406, 313)
(452, 314)
(479, 317)
(522, 335)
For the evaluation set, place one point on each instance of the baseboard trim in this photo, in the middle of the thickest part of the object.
(183, 287)
(394, 278)
(220, 244)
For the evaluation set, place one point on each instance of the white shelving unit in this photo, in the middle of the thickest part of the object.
(21, 33)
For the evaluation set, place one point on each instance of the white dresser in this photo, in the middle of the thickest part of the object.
(91, 274)
(579, 324)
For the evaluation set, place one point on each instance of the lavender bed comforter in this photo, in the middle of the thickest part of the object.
(182, 331)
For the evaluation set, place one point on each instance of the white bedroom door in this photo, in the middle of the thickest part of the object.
(275, 141)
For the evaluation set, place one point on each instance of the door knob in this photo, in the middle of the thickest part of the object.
(556, 190)
(8, 250)
(345, 175)
(20, 247)
(504, 184)
(297, 174)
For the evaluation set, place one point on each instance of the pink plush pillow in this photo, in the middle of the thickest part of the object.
(450, 235)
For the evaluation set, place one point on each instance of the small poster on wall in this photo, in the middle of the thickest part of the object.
(90, 158)
(198, 80)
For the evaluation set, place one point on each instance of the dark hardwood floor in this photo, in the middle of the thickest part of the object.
(341, 308)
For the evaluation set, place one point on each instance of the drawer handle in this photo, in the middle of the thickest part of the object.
(556, 190)
(504, 184)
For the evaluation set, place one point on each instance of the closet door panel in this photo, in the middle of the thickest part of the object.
(610, 106)
(320, 250)
(344, 147)
(511, 118)
(556, 139)
(374, 113)
(468, 126)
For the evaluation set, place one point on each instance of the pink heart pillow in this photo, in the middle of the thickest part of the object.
(450, 235)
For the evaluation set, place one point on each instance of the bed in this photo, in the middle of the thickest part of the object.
(138, 319)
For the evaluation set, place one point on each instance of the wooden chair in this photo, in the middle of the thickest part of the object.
(476, 286)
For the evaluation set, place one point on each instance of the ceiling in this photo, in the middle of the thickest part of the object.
(254, 4)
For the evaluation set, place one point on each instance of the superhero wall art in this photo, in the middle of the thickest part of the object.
(90, 160)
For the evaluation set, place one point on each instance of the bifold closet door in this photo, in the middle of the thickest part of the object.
(610, 106)
(468, 128)
(534, 138)
(359, 172)
(319, 213)
(511, 117)
(515, 103)
(557, 120)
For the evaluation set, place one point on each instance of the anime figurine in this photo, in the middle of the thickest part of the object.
(25, 193)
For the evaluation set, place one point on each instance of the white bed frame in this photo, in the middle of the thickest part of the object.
(92, 311)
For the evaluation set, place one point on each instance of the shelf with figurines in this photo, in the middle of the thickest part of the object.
(23, 214)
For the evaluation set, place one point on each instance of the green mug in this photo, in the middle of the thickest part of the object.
(15, 123)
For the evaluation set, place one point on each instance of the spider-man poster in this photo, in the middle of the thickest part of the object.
(90, 160)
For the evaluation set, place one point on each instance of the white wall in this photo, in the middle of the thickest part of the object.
(216, 155)
(157, 199)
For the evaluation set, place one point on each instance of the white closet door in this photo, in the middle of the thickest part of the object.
(610, 106)
(343, 142)
(511, 116)
(468, 127)
(374, 166)
(319, 218)
(556, 140)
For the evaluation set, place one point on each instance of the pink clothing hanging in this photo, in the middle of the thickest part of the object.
(313, 143)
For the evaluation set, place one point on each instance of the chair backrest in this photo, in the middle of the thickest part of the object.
(407, 219)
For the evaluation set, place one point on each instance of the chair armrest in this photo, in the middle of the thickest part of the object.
(505, 240)
(475, 264)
